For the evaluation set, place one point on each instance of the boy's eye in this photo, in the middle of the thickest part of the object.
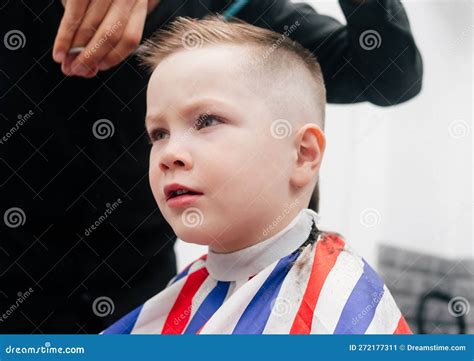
(156, 135)
(205, 120)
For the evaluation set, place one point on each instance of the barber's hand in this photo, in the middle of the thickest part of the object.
(109, 30)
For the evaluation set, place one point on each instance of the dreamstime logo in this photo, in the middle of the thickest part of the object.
(376, 297)
(22, 119)
(458, 129)
(254, 62)
(22, 296)
(103, 39)
(108, 211)
(286, 34)
(458, 306)
(14, 40)
(103, 128)
(191, 130)
(103, 306)
(46, 349)
(286, 210)
(280, 306)
(14, 217)
(369, 217)
(281, 128)
(192, 40)
(188, 310)
(192, 217)
(370, 39)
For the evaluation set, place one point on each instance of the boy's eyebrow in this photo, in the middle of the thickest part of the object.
(190, 108)
(155, 118)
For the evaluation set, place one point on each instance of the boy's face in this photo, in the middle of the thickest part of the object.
(212, 133)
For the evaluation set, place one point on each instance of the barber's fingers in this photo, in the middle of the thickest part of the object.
(106, 37)
(66, 67)
(130, 38)
(74, 12)
(94, 16)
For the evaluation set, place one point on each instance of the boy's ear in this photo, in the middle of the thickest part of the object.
(310, 144)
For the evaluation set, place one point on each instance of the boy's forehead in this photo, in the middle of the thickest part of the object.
(187, 75)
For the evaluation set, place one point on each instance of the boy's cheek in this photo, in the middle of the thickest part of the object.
(154, 183)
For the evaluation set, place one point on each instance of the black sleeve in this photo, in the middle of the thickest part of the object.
(373, 58)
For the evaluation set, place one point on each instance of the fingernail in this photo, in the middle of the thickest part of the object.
(103, 66)
(65, 69)
(59, 56)
(80, 70)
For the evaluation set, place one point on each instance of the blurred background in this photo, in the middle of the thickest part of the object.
(397, 182)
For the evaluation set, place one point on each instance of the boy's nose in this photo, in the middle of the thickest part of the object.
(175, 159)
(175, 164)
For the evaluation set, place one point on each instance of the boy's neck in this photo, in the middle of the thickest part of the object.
(263, 232)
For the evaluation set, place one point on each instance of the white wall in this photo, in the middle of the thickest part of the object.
(403, 175)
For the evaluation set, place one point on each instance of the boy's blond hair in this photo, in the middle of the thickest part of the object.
(273, 56)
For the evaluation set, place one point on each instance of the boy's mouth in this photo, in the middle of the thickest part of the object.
(183, 200)
(176, 190)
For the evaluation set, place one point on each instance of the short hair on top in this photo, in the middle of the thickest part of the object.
(272, 56)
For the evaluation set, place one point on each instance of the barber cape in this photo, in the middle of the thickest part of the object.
(299, 281)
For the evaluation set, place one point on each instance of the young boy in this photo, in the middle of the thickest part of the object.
(235, 116)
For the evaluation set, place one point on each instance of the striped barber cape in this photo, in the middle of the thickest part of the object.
(299, 281)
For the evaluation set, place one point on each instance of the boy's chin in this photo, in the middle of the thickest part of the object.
(205, 237)
(197, 235)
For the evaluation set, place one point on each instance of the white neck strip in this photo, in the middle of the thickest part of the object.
(249, 261)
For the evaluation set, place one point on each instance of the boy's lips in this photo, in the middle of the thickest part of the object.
(176, 190)
(183, 200)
